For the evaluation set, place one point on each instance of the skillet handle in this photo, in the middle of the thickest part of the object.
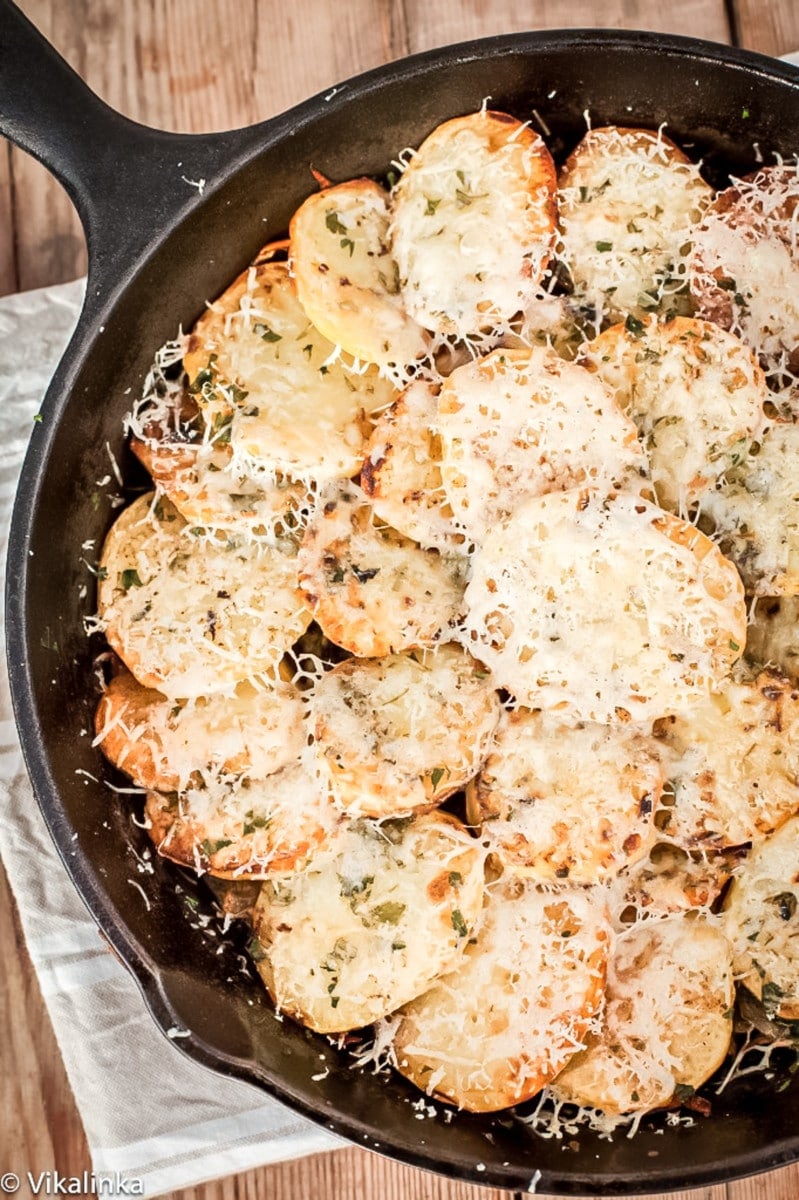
(126, 181)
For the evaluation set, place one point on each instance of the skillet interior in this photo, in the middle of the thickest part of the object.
(633, 79)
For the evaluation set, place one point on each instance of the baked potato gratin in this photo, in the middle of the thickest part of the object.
(457, 630)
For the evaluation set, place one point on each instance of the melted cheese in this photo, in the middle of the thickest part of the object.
(604, 608)
(755, 509)
(472, 225)
(667, 1019)
(274, 386)
(628, 199)
(493, 1032)
(402, 733)
(192, 617)
(521, 423)
(371, 922)
(696, 395)
(567, 802)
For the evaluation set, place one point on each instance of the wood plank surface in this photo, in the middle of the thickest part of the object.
(195, 65)
(771, 28)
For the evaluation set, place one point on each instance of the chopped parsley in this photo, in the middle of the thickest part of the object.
(334, 224)
(129, 578)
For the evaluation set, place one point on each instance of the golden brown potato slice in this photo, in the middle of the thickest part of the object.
(268, 384)
(519, 423)
(473, 223)
(164, 746)
(755, 510)
(745, 265)
(628, 199)
(695, 393)
(566, 801)
(373, 591)
(509, 1018)
(208, 488)
(370, 923)
(347, 279)
(399, 734)
(762, 912)
(733, 764)
(667, 1022)
(192, 617)
(772, 639)
(244, 828)
(604, 608)
(402, 474)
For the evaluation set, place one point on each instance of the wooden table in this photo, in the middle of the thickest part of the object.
(216, 64)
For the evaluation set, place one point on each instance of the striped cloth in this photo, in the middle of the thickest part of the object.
(148, 1111)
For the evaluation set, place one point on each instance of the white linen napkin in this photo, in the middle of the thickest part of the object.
(148, 1111)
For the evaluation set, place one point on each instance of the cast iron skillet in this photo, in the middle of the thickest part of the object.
(158, 248)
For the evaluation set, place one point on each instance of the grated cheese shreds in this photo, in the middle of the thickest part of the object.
(603, 607)
(733, 764)
(192, 618)
(745, 268)
(521, 423)
(404, 732)
(628, 199)
(520, 1005)
(244, 827)
(472, 177)
(696, 394)
(371, 922)
(615, 759)
(564, 801)
(667, 1020)
(755, 511)
(164, 746)
(275, 385)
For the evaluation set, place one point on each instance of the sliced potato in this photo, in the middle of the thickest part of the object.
(520, 423)
(373, 591)
(628, 199)
(400, 734)
(244, 828)
(371, 922)
(695, 393)
(745, 265)
(347, 278)
(165, 746)
(733, 764)
(604, 608)
(566, 802)
(755, 510)
(190, 617)
(402, 475)
(502, 1025)
(762, 912)
(209, 489)
(473, 223)
(667, 1022)
(267, 383)
(772, 639)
